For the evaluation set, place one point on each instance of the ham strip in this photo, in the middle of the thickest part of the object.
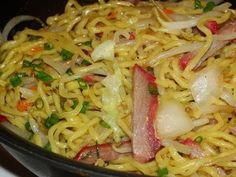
(145, 143)
(90, 154)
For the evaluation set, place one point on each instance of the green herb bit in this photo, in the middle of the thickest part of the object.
(15, 80)
(26, 63)
(48, 46)
(197, 4)
(1, 73)
(34, 37)
(52, 120)
(83, 85)
(86, 62)
(104, 124)
(41, 75)
(152, 89)
(36, 63)
(88, 43)
(162, 172)
(39, 104)
(28, 127)
(198, 139)
(66, 54)
(75, 103)
(85, 106)
(48, 147)
(209, 6)
(69, 72)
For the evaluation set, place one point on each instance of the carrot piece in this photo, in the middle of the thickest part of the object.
(131, 36)
(36, 49)
(33, 88)
(168, 11)
(22, 105)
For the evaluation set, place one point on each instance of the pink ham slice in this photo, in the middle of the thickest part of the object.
(227, 28)
(145, 143)
(90, 154)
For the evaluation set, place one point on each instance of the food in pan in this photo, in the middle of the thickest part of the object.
(138, 86)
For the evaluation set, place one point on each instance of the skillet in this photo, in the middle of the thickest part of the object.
(39, 161)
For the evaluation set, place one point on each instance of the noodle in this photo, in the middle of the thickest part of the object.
(90, 104)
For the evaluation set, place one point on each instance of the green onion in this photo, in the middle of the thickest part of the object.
(83, 85)
(86, 62)
(41, 75)
(36, 62)
(39, 104)
(162, 172)
(209, 6)
(52, 120)
(15, 80)
(88, 43)
(26, 63)
(1, 73)
(28, 127)
(69, 72)
(34, 37)
(197, 4)
(48, 46)
(48, 147)
(104, 124)
(75, 103)
(152, 89)
(66, 54)
(198, 139)
(84, 107)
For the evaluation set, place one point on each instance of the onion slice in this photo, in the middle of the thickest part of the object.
(16, 20)
(178, 146)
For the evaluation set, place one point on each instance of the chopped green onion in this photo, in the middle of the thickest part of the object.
(1, 73)
(75, 103)
(104, 124)
(83, 85)
(84, 107)
(36, 62)
(28, 127)
(86, 62)
(88, 43)
(69, 72)
(51, 120)
(48, 147)
(198, 139)
(34, 37)
(26, 63)
(48, 46)
(16, 79)
(162, 172)
(66, 54)
(39, 104)
(41, 75)
(209, 6)
(197, 4)
(152, 89)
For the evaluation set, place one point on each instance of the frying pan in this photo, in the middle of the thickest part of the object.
(36, 159)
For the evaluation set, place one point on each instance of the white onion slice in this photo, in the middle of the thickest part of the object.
(175, 51)
(206, 85)
(16, 20)
(29, 82)
(176, 122)
(16, 130)
(34, 125)
(60, 67)
(224, 37)
(26, 93)
(228, 97)
(178, 146)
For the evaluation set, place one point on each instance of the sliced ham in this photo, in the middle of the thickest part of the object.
(196, 150)
(145, 143)
(227, 28)
(90, 154)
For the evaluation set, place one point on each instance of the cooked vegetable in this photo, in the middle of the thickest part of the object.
(104, 51)
(41, 75)
(197, 4)
(15, 80)
(2, 118)
(48, 46)
(162, 172)
(66, 54)
(84, 107)
(34, 37)
(83, 85)
(198, 139)
(51, 120)
(213, 26)
(144, 141)
(104, 124)
(23, 105)
(88, 43)
(209, 6)
(39, 104)
(69, 72)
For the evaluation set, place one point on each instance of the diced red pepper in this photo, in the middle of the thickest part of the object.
(168, 11)
(131, 36)
(213, 26)
(144, 141)
(2, 118)
(184, 60)
(188, 142)
(89, 78)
